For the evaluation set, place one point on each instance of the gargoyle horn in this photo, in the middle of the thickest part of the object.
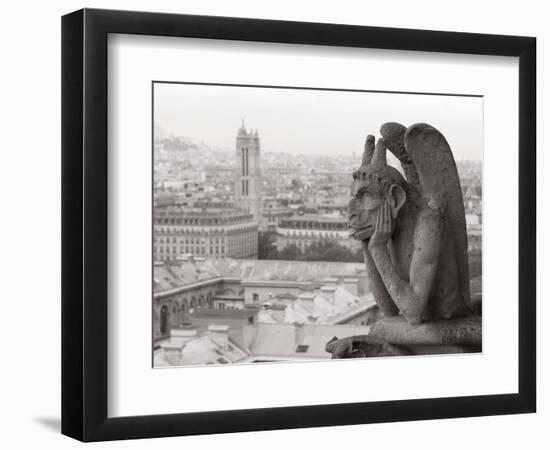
(369, 150)
(379, 156)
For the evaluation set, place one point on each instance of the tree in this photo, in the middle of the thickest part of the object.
(321, 250)
(290, 252)
(330, 250)
(266, 244)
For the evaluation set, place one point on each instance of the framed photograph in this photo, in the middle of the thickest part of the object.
(267, 224)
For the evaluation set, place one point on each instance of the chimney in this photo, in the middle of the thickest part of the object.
(330, 281)
(299, 333)
(249, 333)
(306, 298)
(278, 311)
(327, 292)
(351, 285)
(220, 335)
(182, 335)
(172, 352)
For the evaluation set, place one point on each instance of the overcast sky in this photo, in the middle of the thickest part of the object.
(312, 122)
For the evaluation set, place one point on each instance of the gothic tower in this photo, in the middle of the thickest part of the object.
(248, 180)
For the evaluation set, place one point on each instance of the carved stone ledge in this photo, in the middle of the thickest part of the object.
(394, 336)
(456, 332)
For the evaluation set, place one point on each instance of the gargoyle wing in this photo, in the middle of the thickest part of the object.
(439, 184)
(394, 136)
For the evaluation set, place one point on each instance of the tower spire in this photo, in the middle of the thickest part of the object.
(248, 183)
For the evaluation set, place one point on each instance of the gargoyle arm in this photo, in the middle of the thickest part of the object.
(377, 287)
(412, 296)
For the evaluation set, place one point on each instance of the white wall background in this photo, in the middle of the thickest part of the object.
(30, 229)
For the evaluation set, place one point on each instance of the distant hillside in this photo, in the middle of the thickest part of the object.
(184, 144)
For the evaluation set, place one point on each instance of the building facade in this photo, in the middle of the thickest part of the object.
(307, 229)
(174, 307)
(213, 233)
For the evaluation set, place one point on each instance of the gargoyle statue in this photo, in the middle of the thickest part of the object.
(413, 229)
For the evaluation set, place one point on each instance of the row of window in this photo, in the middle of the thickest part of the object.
(204, 231)
(203, 249)
(191, 240)
(230, 307)
(197, 221)
(186, 221)
(314, 225)
(298, 243)
(203, 242)
(194, 250)
(313, 234)
(180, 313)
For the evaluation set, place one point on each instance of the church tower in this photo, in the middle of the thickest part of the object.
(248, 180)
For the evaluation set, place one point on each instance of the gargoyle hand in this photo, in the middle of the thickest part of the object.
(383, 227)
(339, 348)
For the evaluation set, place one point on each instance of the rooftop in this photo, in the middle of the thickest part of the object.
(278, 270)
(325, 307)
(202, 349)
(199, 213)
(316, 218)
(170, 276)
(271, 342)
(308, 341)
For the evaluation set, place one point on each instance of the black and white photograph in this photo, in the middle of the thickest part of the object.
(295, 224)
(275, 225)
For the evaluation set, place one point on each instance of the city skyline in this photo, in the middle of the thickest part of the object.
(311, 122)
(253, 256)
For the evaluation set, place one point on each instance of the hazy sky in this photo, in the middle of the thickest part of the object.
(304, 121)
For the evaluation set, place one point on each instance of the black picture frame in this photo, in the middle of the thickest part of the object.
(84, 224)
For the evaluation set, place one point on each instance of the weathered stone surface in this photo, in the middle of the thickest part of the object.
(362, 346)
(440, 349)
(413, 233)
(457, 332)
(413, 230)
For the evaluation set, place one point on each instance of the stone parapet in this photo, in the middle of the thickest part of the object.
(456, 332)
(394, 336)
